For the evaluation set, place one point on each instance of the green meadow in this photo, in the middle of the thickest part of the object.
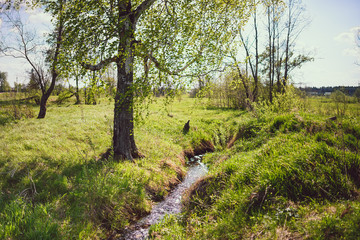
(57, 184)
(280, 172)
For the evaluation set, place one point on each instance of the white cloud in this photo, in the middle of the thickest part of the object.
(348, 40)
(38, 17)
(348, 36)
(0, 22)
(37, 21)
(352, 52)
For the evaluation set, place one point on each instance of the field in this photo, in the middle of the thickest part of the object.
(276, 173)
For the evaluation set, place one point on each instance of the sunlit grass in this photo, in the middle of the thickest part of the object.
(52, 168)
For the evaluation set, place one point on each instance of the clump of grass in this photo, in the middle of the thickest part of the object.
(19, 220)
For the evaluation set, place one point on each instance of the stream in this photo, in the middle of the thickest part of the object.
(170, 205)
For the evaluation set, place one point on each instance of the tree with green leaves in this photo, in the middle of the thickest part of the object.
(252, 58)
(151, 43)
(4, 84)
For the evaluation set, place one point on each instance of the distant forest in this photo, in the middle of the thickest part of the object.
(326, 90)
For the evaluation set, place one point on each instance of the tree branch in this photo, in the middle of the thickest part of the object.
(100, 65)
(142, 8)
(168, 71)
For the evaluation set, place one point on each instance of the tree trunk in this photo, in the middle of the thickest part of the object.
(255, 74)
(287, 49)
(270, 56)
(43, 101)
(77, 98)
(77, 92)
(123, 140)
(54, 73)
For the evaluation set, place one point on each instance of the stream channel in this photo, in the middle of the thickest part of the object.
(171, 204)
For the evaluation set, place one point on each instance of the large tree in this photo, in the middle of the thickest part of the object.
(169, 39)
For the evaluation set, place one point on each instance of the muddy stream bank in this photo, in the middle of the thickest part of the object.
(170, 205)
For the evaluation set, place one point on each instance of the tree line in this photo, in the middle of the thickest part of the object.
(320, 91)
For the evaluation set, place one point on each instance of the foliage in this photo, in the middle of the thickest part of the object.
(289, 101)
(357, 94)
(16, 112)
(64, 95)
(4, 84)
(229, 92)
(13, 109)
(185, 40)
(340, 101)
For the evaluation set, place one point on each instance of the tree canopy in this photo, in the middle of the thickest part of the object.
(153, 43)
(4, 84)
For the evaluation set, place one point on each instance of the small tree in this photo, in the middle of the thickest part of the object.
(27, 47)
(252, 58)
(340, 101)
(285, 22)
(4, 84)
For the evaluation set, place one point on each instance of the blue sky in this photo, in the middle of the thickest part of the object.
(330, 38)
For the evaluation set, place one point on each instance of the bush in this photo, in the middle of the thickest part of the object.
(286, 123)
(340, 100)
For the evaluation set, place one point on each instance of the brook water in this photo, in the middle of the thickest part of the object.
(171, 204)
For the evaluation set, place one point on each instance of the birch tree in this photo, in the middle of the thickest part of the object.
(150, 42)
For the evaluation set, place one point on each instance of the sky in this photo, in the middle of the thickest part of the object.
(329, 38)
(36, 21)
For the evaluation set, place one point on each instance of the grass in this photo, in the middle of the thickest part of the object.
(54, 184)
(283, 172)
(284, 176)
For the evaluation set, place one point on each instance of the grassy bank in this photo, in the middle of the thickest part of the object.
(56, 184)
(289, 174)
